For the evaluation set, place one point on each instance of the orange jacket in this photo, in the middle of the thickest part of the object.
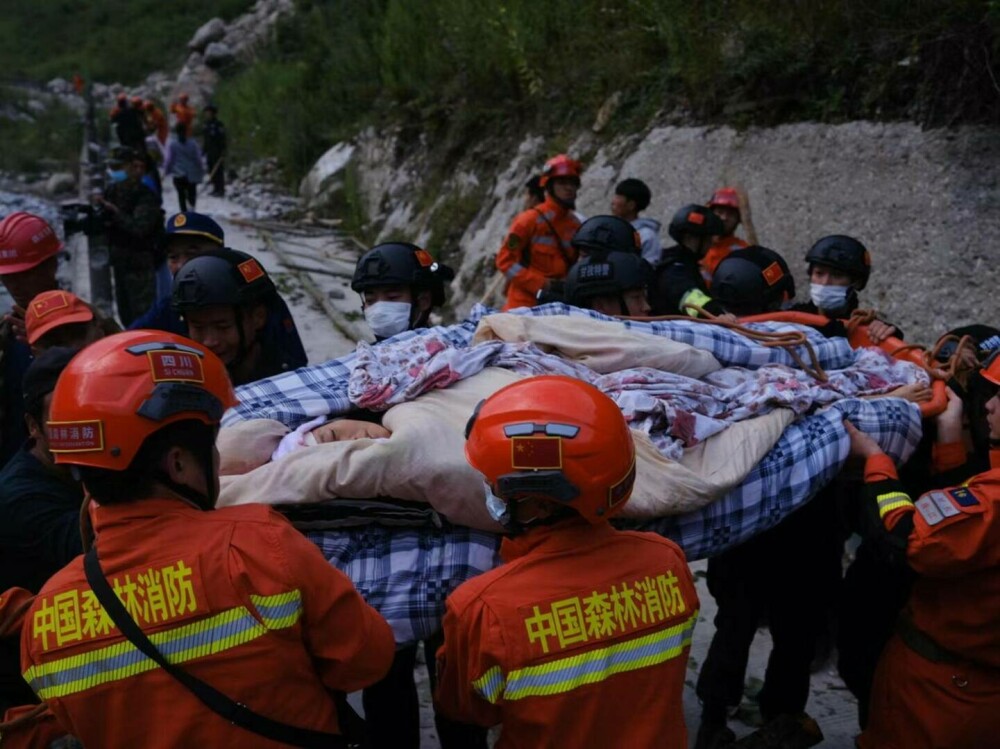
(550, 255)
(954, 548)
(237, 597)
(580, 639)
(183, 113)
(158, 122)
(718, 252)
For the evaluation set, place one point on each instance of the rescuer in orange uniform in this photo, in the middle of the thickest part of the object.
(235, 599)
(537, 250)
(725, 204)
(938, 681)
(581, 637)
(156, 122)
(183, 113)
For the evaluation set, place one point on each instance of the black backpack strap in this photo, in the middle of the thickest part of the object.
(562, 250)
(234, 712)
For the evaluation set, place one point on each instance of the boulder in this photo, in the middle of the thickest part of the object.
(218, 54)
(59, 86)
(212, 31)
(59, 183)
(326, 178)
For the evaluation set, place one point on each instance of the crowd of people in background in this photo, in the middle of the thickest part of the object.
(120, 426)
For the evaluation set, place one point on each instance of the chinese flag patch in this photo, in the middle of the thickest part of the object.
(696, 218)
(424, 258)
(50, 304)
(773, 273)
(536, 453)
(250, 270)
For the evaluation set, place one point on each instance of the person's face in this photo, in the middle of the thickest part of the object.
(824, 275)
(993, 416)
(565, 189)
(209, 115)
(183, 247)
(28, 284)
(636, 304)
(135, 170)
(216, 329)
(396, 293)
(729, 215)
(623, 208)
(36, 431)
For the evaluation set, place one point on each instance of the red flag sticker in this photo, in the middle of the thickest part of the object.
(75, 436)
(536, 453)
(773, 273)
(250, 270)
(175, 366)
(50, 304)
(696, 218)
(424, 258)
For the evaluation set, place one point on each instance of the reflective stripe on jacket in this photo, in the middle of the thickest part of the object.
(236, 596)
(532, 253)
(580, 639)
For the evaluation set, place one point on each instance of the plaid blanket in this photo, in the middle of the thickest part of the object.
(322, 390)
(406, 574)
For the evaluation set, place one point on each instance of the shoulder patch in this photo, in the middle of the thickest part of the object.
(928, 510)
(513, 241)
(945, 507)
(963, 497)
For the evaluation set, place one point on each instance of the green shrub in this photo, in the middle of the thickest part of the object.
(459, 69)
(103, 40)
(32, 141)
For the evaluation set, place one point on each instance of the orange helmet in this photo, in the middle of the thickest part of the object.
(120, 390)
(51, 309)
(560, 166)
(726, 196)
(556, 438)
(26, 240)
(136, 102)
(991, 369)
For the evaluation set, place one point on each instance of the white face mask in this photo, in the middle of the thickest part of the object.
(386, 319)
(496, 507)
(832, 298)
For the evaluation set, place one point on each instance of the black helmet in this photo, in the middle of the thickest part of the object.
(752, 280)
(611, 275)
(603, 234)
(404, 264)
(221, 277)
(697, 220)
(843, 253)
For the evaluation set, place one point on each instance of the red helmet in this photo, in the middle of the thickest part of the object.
(183, 98)
(726, 196)
(136, 102)
(560, 166)
(26, 240)
(557, 438)
(52, 309)
(991, 369)
(118, 391)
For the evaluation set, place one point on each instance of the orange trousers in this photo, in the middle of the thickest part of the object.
(919, 704)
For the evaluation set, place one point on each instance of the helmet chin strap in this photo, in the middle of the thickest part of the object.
(199, 499)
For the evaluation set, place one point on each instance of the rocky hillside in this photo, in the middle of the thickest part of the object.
(926, 202)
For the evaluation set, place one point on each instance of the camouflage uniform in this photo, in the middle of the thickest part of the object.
(135, 237)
